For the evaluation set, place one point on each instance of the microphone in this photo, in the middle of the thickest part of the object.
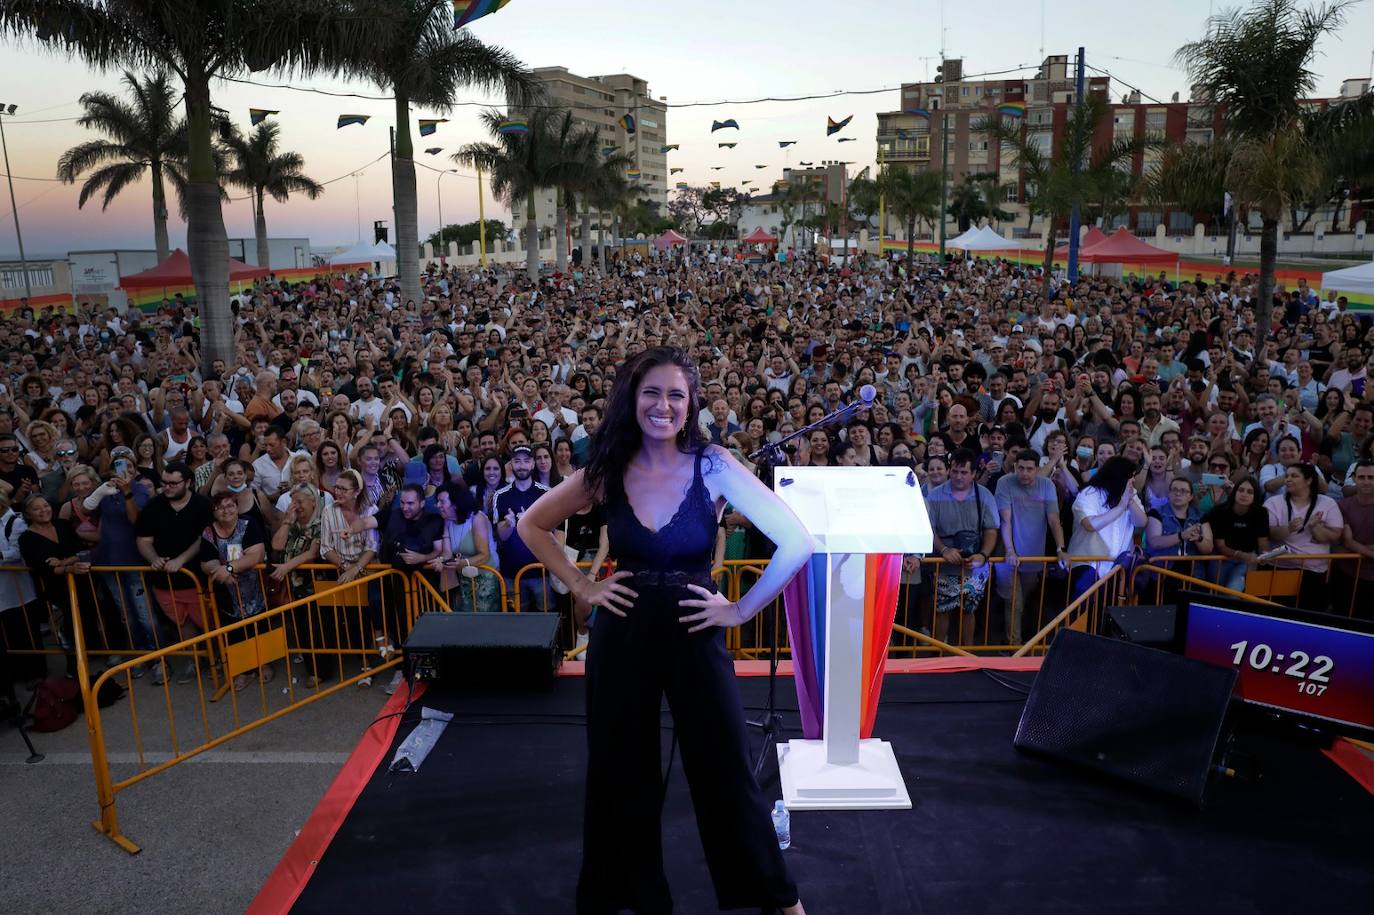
(867, 394)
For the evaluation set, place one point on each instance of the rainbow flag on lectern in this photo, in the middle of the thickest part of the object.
(805, 600)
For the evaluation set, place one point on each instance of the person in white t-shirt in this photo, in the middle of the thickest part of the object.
(1307, 523)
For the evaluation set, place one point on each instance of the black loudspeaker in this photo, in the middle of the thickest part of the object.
(1153, 627)
(1146, 716)
(484, 650)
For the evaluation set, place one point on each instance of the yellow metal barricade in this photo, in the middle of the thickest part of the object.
(271, 663)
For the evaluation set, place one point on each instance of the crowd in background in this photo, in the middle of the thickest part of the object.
(1114, 418)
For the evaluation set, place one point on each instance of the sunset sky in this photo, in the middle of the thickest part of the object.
(704, 51)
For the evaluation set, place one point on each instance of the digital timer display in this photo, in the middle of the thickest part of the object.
(1294, 665)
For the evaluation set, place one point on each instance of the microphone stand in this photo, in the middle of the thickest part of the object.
(769, 456)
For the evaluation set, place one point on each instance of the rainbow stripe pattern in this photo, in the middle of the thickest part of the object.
(628, 122)
(721, 125)
(465, 11)
(1012, 109)
(429, 125)
(833, 126)
(348, 120)
(257, 115)
(805, 600)
(512, 126)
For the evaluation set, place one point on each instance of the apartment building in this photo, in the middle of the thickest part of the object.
(600, 103)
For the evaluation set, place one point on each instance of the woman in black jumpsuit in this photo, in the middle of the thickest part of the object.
(659, 631)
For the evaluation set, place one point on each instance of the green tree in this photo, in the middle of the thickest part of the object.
(1076, 170)
(606, 197)
(199, 42)
(421, 60)
(145, 136)
(518, 165)
(469, 232)
(966, 203)
(262, 169)
(1192, 177)
(911, 195)
(1255, 65)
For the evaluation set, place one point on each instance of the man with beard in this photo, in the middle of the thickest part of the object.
(512, 501)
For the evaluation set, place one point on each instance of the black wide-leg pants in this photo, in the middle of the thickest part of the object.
(632, 663)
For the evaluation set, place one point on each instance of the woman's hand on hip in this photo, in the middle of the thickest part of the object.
(716, 610)
(611, 592)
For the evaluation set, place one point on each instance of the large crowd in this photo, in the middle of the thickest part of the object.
(1116, 418)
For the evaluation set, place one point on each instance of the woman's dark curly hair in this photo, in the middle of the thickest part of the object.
(618, 437)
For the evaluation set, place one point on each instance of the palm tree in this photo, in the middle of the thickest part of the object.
(966, 203)
(912, 194)
(1255, 66)
(199, 42)
(575, 166)
(518, 165)
(147, 137)
(605, 185)
(1191, 177)
(1075, 170)
(420, 59)
(261, 168)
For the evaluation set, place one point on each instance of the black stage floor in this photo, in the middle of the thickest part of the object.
(491, 823)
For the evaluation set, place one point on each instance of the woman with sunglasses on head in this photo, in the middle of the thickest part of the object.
(650, 451)
(1307, 523)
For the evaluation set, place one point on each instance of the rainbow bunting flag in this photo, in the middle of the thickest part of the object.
(919, 112)
(783, 144)
(760, 166)
(845, 140)
(674, 171)
(429, 125)
(632, 174)
(716, 168)
(348, 120)
(668, 148)
(807, 163)
(434, 150)
(721, 125)
(257, 115)
(1012, 109)
(627, 121)
(726, 145)
(682, 185)
(833, 126)
(512, 126)
(465, 11)
(745, 182)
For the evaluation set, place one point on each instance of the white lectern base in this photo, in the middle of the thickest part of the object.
(811, 783)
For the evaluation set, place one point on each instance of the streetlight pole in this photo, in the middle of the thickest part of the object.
(14, 207)
(439, 192)
(481, 219)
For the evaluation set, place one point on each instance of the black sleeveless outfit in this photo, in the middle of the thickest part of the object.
(633, 661)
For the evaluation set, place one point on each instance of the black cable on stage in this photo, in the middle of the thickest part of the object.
(1003, 681)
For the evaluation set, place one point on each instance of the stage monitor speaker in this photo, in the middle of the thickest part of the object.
(1139, 714)
(484, 650)
(1151, 626)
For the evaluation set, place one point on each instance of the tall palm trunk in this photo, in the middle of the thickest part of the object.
(404, 200)
(531, 239)
(260, 229)
(207, 244)
(601, 240)
(160, 241)
(586, 240)
(1269, 255)
(910, 243)
(560, 223)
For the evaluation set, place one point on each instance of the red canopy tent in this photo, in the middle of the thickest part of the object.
(760, 237)
(1121, 247)
(1093, 236)
(174, 275)
(670, 238)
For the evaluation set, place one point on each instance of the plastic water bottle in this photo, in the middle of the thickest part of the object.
(782, 824)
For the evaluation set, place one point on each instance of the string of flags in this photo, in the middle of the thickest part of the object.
(257, 115)
(833, 126)
(429, 125)
(465, 11)
(721, 125)
(348, 120)
(512, 126)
